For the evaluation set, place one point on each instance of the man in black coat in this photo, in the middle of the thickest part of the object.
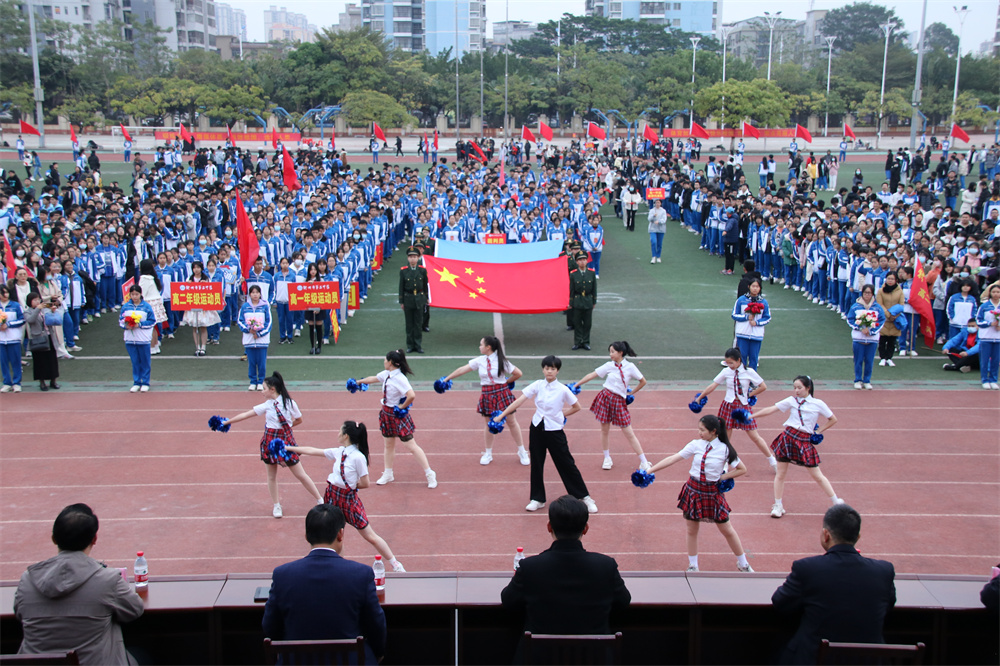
(842, 596)
(565, 589)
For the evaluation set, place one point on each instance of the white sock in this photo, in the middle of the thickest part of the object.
(388, 470)
(741, 560)
(394, 561)
(692, 560)
(772, 461)
(607, 454)
(520, 448)
(642, 458)
(834, 498)
(778, 501)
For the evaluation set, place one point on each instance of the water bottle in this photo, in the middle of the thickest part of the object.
(379, 570)
(518, 556)
(140, 571)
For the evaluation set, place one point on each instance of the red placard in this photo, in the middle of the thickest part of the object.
(221, 136)
(496, 239)
(312, 295)
(656, 193)
(196, 296)
(378, 258)
(126, 288)
(354, 297)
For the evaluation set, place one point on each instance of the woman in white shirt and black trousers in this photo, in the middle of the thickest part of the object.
(553, 403)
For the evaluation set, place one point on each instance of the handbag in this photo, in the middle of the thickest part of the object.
(39, 342)
(52, 319)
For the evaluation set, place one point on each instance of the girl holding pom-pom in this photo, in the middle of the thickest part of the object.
(350, 474)
(796, 444)
(738, 380)
(610, 406)
(496, 374)
(394, 419)
(713, 459)
(281, 413)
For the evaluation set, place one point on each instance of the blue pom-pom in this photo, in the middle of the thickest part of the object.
(276, 449)
(219, 424)
(725, 485)
(629, 399)
(400, 412)
(698, 402)
(815, 438)
(441, 385)
(362, 387)
(510, 385)
(574, 389)
(352, 385)
(642, 479)
(694, 407)
(703, 401)
(752, 401)
(494, 426)
(741, 416)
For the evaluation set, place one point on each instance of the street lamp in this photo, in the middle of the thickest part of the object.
(887, 28)
(694, 59)
(829, 63)
(771, 19)
(962, 13)
(724, 32)
(506, 53)
(458, 129)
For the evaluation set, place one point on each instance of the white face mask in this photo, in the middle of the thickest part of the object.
(182, 251)
(20, 253)
(298, 263)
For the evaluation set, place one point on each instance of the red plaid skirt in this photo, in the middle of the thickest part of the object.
(703, 502)
(495, 397)
(348, 502)
(393, 426)
(793, 446)
(610, 407)
(278, 433)
(726, 414)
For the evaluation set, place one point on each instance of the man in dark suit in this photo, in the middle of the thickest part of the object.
(323, 596)
(565, 589)
(841, 595)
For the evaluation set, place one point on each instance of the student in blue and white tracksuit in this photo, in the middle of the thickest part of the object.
(750, 327)
(593, 243)
(285, 319)
(865, 340)
(11, 331)
(255, 322)
(961, 307)
(139, 337)
(989, 338)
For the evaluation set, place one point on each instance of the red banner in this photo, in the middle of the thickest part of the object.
(379, 257)
(521, 288)
(354, 297)
(730, 133)
(126, 287)
(312, 295)
(221, 136)
(656, 193)
(196, 296)
(496, 239)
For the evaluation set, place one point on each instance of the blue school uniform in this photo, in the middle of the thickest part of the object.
(138, 339)
(864, 342)
(989, 342)
(255, 345)
(10, 343)
(749, 336)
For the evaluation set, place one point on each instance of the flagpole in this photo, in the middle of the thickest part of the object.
(458, 129)
(39, 93)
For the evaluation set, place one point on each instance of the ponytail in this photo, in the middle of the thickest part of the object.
(276, 382)
(398, 358)
(503, 365)
(623, 348)
(714, 424)
(806, 381)
(358, 434)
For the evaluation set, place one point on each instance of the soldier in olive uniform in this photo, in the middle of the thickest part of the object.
(582, 299)
(570, 248)
(413, 298)
(426, 246)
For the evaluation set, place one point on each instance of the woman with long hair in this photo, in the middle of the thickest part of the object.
(199, 320)
(152, 293)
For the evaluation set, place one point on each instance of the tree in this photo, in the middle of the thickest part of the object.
(364, 106)
(760, 100)
(940, 36)
(895, 103)
(859, 23)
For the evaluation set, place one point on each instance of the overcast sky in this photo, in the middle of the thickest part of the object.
(979, 24)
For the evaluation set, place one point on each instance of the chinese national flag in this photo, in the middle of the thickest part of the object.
(377, 131)
(333, 138)
(526, 134)
(545, 131)
(72, 133)
(595, 132)
(247, 239)
(229, 135)
(125, 134)
(750, 130)
(920, 300)
(959, 133)
(435, 140)
(186, 135)
(29, 129)
(480, 155)
(698, 131)
(802, 133)
(849, 132)
(522, 288)
(650, 134)
(288, 171)
(427, 143)
(8, 256)
(274, 138)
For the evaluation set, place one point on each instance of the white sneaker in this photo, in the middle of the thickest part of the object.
(276, 511)
(260, 387)
(889, 363)
(882, 363)
(659, 260)
(591, 504)
(225, 328)
(534, 506)
(786, 286)
(746, 569)
(987, 385)
(298, 333)
(432, 479)
(868, 387)
(385, 478)
(692, 569)
(777, 510)
(995, 386)
(608, 463)
(646, 466)
(523, 456)
(815, 300)
(653, 260)
(913, 353)
(397, 567)
(858, 385)
(17, 388)
(486, 458)
(6, 389)
(252, 387)
(144, 388)
(76, 348)
(134, 389)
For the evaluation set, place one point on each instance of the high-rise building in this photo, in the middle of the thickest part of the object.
(349, 19)
(792, 41)
(505, 32)
(996, 34)
(418, 25)
(191, 23)
(230, 21)
(688, 15)
(81, 13)
(281, 25)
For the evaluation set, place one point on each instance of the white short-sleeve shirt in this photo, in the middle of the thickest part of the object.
(550, 399)
(738, 386)
(716, 463)
(355, 467)
(617, 376)
(489, 370)
(395, 386)
(271, 408)
(804, 413)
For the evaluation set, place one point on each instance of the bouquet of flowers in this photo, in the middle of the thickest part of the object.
(133, 320)
(996, 318)
(754, 308)
(866, 319)
(3, 317)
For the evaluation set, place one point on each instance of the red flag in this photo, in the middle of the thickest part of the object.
(8, 256)
(333, 141)
(503, 175)
(526, 134)
(802, 133)
(435, 140)
(920, 300)
(959, 133)
(229, 135)
(427, 142)
(72, 133)
(545, 131)
(523, 288)
(481, 155)
(750, 130)
(29, 129)
(698, 131)
(246, 238)
(849, 132)
(288, 171)
(274, 138)
(377, 131)
(650, 134)
(595, 132)
(125, 134)
(186, 136)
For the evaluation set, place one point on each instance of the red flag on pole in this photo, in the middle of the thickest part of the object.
(377, 131)
(526, 134)
(29, 129)
(849, 132)
(288, 171)
(333, 138)
(802, 133)
(698, 131)
(503, 175)
(750, 130)
(274, 138)
(186, 136)
(595, 132)
(650, 134)
(479, 151)
(920, 301)
(72, 133)
(125, 134)
(435, 140)
(545, 131)
(229, 135)
(8, 256)
(427, 143)
(959, 133)
(247, 239)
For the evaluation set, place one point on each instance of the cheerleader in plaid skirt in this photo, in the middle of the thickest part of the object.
(350, 474)
(281, 414)
(713, 459)
(397, 392)
(496, 374)
(739, 380)
(793, 445)
(609, 406)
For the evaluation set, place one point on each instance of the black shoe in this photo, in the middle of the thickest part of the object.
(53, 385)
(410, 350)
(575, 347)
(44, 386)
(319, 350)
(427, 329)
(587, 347)
(569, 328)
(312, 351)
(419, 350)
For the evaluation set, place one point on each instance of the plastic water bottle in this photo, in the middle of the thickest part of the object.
(140, 571)
(518, 556)
(379, 570)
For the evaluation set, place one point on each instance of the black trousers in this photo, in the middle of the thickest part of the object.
(730, 255)
(554, 442)
(887, 346)
(630, 219)
(962, 361)
(414, 332)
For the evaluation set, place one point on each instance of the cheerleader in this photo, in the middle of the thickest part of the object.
(281, 413)
(738, 380)
(610, 406)
(793, 445)
(750, 325)
(713, 459)
(255, 322)
(138, 320)
(199, 320)
(496, 374)
(350, 474)
(397, 392)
